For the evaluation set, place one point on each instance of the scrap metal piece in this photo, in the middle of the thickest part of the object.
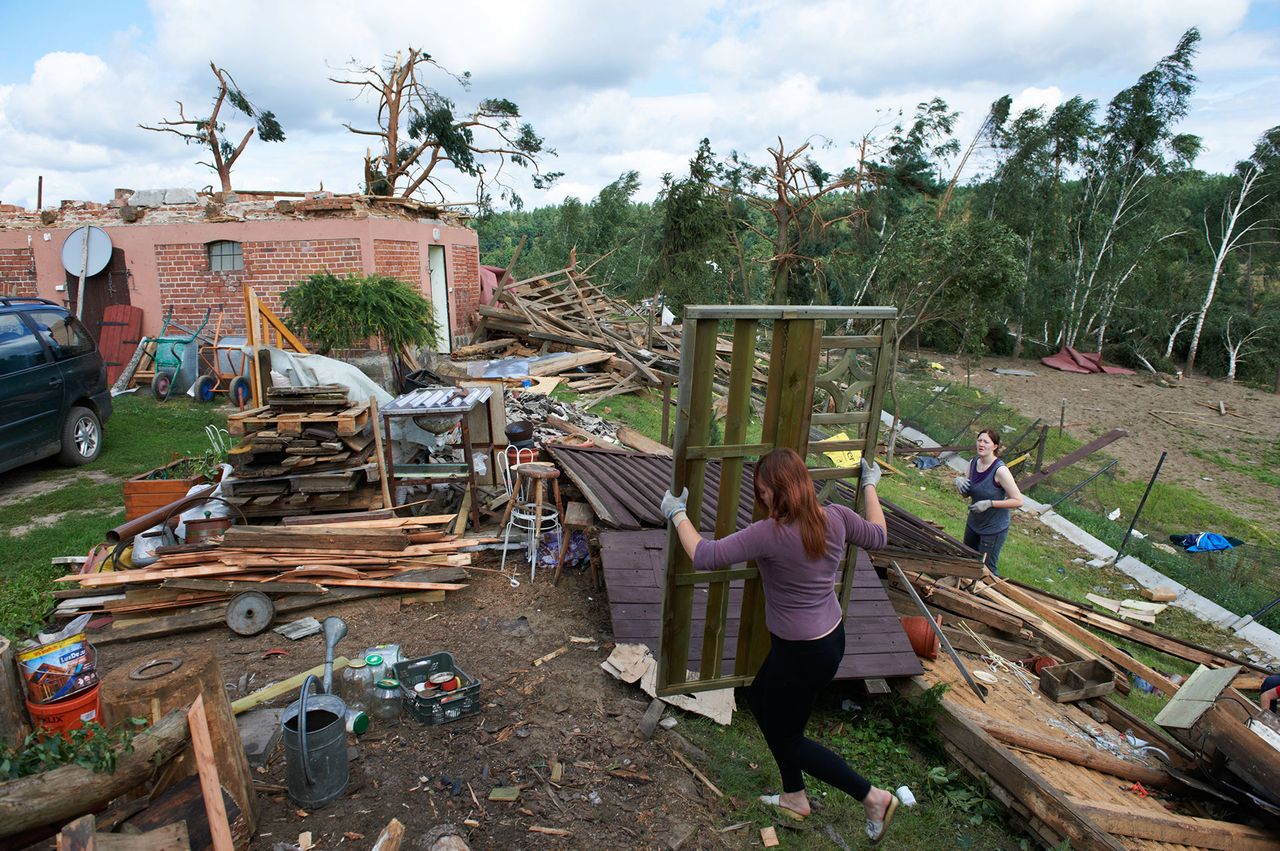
(250, 612)
(978, 688)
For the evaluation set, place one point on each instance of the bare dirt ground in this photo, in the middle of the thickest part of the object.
(1098, 403)
(617, 791)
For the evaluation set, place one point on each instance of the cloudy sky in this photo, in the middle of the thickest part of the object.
(611, 86)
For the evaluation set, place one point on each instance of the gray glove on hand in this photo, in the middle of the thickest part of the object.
(980, 506)
(963, 484)
(870, 474)
(673, 505)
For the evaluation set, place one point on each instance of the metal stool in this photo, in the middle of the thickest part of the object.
(577, 517)
(530, 514)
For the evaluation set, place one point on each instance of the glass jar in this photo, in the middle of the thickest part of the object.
(377, 668)
(386, 704)
(355, 684)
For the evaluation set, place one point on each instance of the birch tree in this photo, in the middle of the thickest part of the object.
(1234, 229)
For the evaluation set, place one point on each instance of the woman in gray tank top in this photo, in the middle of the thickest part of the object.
(992, 494)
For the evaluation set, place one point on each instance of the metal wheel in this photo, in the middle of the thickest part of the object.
(161, 384)
(205, 386)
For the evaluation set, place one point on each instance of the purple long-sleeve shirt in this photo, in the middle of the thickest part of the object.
(800, 601)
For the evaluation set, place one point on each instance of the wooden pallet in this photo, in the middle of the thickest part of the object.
(345, 423)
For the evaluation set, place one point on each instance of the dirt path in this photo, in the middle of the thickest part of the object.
(616, 792)
(1098, 403)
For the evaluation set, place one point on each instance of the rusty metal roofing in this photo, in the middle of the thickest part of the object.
(626, 488)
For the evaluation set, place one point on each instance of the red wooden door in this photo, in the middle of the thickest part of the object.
(118, 335)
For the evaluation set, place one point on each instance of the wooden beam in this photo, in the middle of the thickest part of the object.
(1141, 823)
(1067, 460)
(210, 787)
(1042, 800)
(1075, 754)
(1088, 639)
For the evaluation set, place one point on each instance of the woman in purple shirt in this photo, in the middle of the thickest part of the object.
(798, 549)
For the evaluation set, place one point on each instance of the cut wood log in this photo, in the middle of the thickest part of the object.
(184, 804)
(1071, 752)
(61, 793)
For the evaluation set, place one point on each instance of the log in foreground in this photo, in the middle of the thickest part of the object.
(63, 793)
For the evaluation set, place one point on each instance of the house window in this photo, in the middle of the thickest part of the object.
(225, 256)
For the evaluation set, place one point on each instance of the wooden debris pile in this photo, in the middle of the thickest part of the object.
(1054, 747)
(630, 348)
(310, 563)
(307, 450)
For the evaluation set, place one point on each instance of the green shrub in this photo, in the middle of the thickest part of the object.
(341, 313)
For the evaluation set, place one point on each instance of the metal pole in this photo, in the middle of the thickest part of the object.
(1073, 491)
(84, 267)
(1141, 503)
(1062, 417)
(936, 397)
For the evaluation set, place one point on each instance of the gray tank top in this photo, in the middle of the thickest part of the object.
(984, 486)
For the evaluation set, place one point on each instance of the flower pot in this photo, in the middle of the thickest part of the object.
(156, 489)
(924, 641)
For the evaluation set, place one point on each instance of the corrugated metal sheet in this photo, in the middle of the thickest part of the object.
(438, 400)
(626, 488)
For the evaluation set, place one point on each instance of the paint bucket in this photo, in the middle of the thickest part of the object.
(62, 716)
(316, 769)
(924, 641)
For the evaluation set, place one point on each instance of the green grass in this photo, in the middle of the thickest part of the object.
(1266, 470)
(141, 434)
(890, 741)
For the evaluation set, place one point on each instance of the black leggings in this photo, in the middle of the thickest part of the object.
(782, 696)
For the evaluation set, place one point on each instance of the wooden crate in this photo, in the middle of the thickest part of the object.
(143, 494)
(1077, 681)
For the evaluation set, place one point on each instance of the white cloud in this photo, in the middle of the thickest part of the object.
(613, 87)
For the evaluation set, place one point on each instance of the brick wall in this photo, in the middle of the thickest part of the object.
(399, 259)
(188, 286)
(17, 273)
(463, 276)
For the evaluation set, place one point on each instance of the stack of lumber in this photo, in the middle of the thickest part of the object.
(566, 308)
(307, 450)
(309, 562)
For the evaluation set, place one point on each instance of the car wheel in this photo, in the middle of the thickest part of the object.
(205, 385)
(239, 391)
(160, 385)
(81, 437)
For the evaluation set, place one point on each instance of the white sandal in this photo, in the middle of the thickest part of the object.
(776, 801)
(877, 829)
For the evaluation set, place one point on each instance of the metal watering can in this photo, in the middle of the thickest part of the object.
(315, 735)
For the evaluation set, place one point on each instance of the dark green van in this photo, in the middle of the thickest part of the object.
(53, 385)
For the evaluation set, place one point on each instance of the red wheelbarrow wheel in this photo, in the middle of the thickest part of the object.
(161, 384)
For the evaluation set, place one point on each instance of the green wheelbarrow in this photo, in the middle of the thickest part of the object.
(169, 355)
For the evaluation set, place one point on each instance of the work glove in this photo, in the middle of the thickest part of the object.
(673, 505)
(963, 484)
(980, 506)
(870, 474)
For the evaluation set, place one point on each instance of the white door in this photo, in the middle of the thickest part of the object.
(440, 296)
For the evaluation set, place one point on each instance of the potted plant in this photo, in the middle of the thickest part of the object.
(157, 488)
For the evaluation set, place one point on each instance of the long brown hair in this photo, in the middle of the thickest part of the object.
(793, 498)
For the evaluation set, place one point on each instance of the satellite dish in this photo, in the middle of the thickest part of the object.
(86, 251)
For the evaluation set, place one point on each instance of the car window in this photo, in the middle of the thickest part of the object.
(19, 348)
(63, 332)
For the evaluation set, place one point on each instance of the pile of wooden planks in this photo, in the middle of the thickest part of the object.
(308, 560)
(308, 450)
(567, 309)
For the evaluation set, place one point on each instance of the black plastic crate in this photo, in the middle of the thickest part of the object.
(435, 706)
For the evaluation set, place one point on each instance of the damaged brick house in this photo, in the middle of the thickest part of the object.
(187, 251)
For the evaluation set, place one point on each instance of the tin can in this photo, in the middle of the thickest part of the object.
(451, 684)
(439, 678)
